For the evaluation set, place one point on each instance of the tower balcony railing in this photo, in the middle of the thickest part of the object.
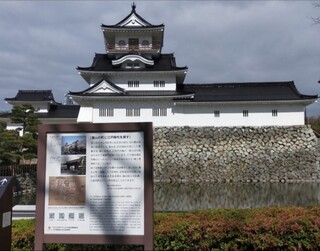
(126, 48)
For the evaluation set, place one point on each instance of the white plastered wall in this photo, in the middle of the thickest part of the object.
(200, 114)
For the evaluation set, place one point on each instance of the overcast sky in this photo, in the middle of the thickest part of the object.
(42, 42)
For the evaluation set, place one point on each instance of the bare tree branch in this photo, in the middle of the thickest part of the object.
(316, 4)
(316, 20)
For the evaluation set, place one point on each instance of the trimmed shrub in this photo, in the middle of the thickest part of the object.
(23, 235)
(275, 228)
(290, 228)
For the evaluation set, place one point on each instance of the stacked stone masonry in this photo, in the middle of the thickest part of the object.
(237, 154)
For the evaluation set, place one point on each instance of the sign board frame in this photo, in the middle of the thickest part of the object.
(45, 132)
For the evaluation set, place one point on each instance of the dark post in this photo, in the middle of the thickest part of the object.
(6, 192)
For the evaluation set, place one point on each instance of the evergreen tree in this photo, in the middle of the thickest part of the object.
(13, 148)
(25, 115)
(10, 147)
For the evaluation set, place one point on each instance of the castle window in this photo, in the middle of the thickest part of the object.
(134, 64)
(145, 43)
(133, 112)
(133, 83)
(122, 43)
(274, 113)
(216, 114)
(109, 112)
(129, 112)
(133, 43)
(103, 112)
(156, 112)
(159, 83)
(245, 113)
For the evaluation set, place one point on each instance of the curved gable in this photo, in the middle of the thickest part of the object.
(132, 58)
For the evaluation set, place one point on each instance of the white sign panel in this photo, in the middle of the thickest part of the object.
(94, 183)
(6, 219)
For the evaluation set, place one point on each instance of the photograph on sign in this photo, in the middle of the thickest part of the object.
(67, 190)
(94, 183)
(71, 145)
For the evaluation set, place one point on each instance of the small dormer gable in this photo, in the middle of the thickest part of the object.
(104, 87)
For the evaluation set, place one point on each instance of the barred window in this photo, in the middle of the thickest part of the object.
(245, 113)
(136, 112)
(145, 43)
(103, 112)
(134, 64)
(109, 112)
(129, 112)
(216, 114)
(156, 112)
(159, 83)
(133, 83)
(122, 43)
(274, 113)
(133, 112)
(163, 112)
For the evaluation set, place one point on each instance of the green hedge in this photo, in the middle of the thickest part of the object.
(276, 228)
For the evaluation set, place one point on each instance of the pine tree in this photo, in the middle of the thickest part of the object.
(14, 148)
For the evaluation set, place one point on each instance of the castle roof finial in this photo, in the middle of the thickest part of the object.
(133, 6)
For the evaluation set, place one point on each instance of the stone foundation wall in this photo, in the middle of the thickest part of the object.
(238, 154)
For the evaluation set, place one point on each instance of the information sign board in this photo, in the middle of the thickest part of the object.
(95, 184)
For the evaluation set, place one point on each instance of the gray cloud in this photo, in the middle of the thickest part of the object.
(220, 41)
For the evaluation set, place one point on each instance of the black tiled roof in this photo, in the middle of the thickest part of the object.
(132, 27)
(56, 111)
(32, 95)
(103, 62)
(133, 11)
(156, 93)
(175, 95)
(61, 111)
(258, 91)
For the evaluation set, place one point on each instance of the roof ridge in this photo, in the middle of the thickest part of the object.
(243, 83)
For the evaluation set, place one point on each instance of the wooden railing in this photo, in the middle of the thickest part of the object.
(17, 169)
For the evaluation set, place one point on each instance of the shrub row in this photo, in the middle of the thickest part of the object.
(275, 228)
